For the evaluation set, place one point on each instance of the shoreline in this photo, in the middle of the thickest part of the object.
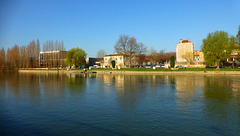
(137, 72)
(171, 72)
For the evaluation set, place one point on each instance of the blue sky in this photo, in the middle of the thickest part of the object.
(97, 24)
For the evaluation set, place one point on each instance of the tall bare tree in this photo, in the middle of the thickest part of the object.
(141, 59)
(13, 57)
(153, 56)
(142, 48)
(152, 51)
(129, 46)
(24, 56)
(101, 53)
(53, 59)
(37, 53)
(2, 58)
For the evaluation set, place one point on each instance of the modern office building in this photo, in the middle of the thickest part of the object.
(53, 59)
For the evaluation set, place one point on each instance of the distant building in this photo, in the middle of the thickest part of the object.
(234, 58)
(94, 61)
(99, 62)
(53, 59)
(199, 57)
(182, 47)
(119, 59)
(90, 61)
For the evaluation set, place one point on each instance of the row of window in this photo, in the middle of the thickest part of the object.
(115, 59)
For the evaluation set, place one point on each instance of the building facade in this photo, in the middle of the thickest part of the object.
(119, 58)
(185, 49)
(182, 48)
(53, 59)
(94, 61)
(234, 58)
(199, 58)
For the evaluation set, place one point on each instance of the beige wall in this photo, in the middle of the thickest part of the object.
(118, 59)
(181, 49)
(199, 57)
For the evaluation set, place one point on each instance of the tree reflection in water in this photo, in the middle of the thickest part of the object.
(132, 89)
(222, 100)
(208, 104)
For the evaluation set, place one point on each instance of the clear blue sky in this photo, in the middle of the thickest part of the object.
(97, 24)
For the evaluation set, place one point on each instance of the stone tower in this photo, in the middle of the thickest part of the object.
(182, 47)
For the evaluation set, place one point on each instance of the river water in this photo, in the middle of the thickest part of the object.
(107, 104)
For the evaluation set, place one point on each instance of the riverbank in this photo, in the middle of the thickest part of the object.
(50, 71)
(138, 72)
(172, 72)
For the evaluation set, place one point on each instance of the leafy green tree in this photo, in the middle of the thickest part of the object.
(217, 47)
(76, 56)
(188, 56)
(238, 36)
(172, 61)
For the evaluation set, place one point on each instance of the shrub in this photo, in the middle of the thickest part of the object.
(172, 61)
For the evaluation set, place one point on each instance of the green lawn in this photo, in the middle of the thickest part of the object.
(187, 69)
(36, 69)
(150, 69)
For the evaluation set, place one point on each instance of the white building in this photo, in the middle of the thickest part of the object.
(182, 47)
(119, 59)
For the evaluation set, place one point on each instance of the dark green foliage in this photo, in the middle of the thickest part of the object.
(172, 61)
(113, 63)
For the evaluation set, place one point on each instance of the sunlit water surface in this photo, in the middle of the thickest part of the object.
(131, 105)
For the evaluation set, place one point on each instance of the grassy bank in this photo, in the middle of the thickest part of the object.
(141, 69)
(45, 69)
(186, 69)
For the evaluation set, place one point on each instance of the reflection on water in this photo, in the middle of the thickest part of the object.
(108, 104)
(222, 100)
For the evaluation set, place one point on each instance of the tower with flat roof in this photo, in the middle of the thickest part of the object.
(182, 47)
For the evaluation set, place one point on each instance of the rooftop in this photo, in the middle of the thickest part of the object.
(185, 41)
(51, 51)
(115, 54)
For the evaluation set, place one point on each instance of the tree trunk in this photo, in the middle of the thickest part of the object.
(130, 59)
(218, 66)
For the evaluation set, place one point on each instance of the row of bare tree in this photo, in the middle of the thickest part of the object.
(155, 58)
(53, 54)
(50, 46)
(20, 56)
(28, 56)
(129, 46)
